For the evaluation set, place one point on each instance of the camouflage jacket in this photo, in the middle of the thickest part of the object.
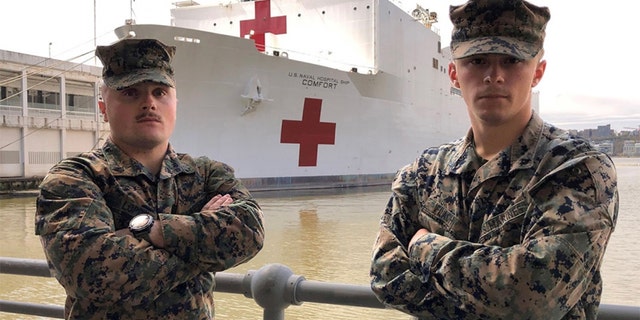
(82, 202)
(521, 236)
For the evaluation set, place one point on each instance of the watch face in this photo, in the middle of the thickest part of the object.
(140, 222)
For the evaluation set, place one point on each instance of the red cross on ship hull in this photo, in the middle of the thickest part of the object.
(262, 24)
(309, 132)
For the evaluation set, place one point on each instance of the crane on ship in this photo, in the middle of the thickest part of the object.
(423, 15)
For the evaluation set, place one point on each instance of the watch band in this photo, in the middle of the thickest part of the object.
(143, 235)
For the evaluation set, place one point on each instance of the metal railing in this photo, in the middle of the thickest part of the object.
(273, 287)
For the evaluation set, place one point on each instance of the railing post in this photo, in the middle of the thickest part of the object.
(273, 287)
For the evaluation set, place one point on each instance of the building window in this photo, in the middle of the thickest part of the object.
(41, 99)
(10, 88)
(9, 157)
(9, 96)
(43, 93)
(435, 63)
(80, 97)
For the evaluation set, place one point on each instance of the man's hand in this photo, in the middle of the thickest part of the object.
(417, 236)
(217, 201)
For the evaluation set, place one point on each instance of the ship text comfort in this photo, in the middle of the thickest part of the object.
(315, 81)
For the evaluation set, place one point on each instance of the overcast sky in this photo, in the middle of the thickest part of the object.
(590, 47)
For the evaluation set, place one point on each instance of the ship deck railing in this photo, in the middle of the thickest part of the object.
(274, 287)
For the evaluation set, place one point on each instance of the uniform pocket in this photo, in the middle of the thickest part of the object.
(437, 218)
(60, 215)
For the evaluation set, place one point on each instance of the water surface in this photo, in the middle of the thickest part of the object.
(324, 237)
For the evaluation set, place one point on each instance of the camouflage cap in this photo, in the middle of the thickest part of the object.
(131, 61)
(512, 27)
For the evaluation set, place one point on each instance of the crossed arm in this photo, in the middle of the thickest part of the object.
(558, 232)
(94, 262)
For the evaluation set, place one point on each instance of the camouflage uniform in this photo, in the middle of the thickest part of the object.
(511, 27)
(520, 236)
(85, 199)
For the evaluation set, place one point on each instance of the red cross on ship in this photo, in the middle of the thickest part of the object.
(262, 24)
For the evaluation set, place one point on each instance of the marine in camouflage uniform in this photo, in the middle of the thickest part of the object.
(85, 199)
(519, 236)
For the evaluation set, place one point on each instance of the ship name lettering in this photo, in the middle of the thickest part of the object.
(301, 75)
(327, 79)
(315, 83)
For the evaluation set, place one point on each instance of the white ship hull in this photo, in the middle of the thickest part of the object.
(284, 121)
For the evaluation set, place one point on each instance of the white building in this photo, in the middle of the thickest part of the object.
(631, 148)
(606, 147)
(48, 111)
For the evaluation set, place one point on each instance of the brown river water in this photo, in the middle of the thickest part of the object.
(323, 237)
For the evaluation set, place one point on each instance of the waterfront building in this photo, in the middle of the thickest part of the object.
(605, 146)
(48, 111)
(631, 148)
(628, 148)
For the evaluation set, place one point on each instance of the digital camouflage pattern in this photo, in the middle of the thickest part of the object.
(85, 199)
(131, 61)
(521, 236)
(512, 27)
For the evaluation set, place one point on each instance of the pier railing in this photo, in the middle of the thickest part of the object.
(273, 287)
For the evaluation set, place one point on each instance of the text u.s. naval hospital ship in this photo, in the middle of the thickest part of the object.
(307, 93)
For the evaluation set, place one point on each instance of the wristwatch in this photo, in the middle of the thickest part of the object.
(141, 225)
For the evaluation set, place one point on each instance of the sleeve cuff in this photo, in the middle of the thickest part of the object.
(180, 234)
(423, 254)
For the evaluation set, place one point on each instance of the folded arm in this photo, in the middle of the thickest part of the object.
(566, 224)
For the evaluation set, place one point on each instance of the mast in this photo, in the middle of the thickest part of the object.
(94, 31)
